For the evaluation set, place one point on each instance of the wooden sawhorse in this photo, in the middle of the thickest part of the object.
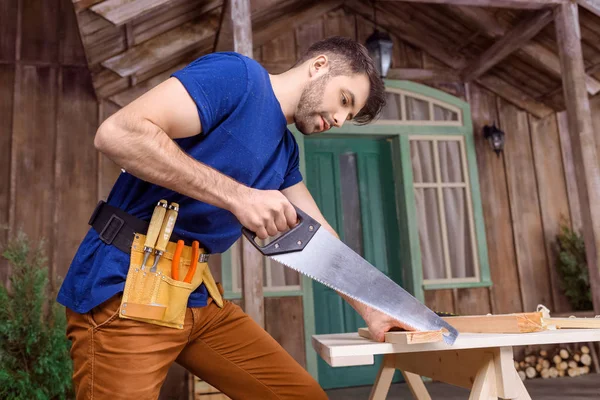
(482, 362)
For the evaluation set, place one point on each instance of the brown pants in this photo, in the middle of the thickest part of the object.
(116, 358)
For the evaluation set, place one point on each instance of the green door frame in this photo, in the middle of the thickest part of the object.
(399, 134)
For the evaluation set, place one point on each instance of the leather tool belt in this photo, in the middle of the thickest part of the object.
(157, 297)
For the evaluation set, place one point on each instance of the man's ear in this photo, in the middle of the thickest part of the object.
(319, 66)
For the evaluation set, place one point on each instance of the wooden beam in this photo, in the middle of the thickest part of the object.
(591, 5)
(122, 11)
(424, 75)
(242, 29)
(581, 130)
(532, 52)
(509, 43)
(527, 4)
(171, 44)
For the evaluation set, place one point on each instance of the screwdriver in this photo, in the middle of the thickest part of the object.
(165, 233)
(153, 229)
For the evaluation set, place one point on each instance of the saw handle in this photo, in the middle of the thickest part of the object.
(293, 240)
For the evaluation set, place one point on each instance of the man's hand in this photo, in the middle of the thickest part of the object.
(264, 212)
(379, 323)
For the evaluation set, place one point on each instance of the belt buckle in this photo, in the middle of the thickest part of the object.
(110, 231)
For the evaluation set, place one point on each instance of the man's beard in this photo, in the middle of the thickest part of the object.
(310, 101)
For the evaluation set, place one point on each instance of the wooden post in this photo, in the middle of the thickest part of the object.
(585, 159)
(235, 34)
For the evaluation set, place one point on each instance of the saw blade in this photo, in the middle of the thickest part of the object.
(329, 261)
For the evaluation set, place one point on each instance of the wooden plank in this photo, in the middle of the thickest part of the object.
(284, 320)
(501, 323)
(552, 190)
(506, 45)
(440, 300)
(127, 96)
(171, 44)
(306, 15)
(33, 146)
(71, 50)
(82, 5)
(108, 83)
(39, 36)
(505, 295)
(119, 12)
(224, 39)
(76, 163)
(573, 323)
(524, 207)
(7, 77)
(424, 75)
(569, 167)
(308, 34)
(406, 337)
(526, 4)
(582, 138)
(164, 19)
(416, 386)
(591, 5)
(472, 301)
(515, 96)
(339, 23)
(280, 50)
(384, 378)
(108, 171)
(8, 29)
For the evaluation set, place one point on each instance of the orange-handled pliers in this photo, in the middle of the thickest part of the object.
(194, 262)
(175, 263)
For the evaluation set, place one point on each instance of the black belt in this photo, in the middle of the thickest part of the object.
(118, 228)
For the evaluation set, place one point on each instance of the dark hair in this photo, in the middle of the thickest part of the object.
(348, 57)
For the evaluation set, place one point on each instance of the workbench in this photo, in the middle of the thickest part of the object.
(482, 362)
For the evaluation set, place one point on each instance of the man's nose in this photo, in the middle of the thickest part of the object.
(339, 118)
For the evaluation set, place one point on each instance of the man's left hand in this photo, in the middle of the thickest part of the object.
(380, 323)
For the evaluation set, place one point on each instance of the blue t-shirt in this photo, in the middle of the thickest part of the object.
(244, 135)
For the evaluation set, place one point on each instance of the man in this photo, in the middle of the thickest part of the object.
(213, 139)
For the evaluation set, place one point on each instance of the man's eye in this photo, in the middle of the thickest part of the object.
(344, 100)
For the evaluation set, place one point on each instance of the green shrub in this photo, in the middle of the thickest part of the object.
(572, 269)
(34, 351)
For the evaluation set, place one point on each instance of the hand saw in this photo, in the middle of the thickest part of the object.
(311, 250)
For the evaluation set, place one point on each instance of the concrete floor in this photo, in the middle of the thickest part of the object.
(580, 388)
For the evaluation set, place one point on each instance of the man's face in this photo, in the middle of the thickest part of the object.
(330, 101)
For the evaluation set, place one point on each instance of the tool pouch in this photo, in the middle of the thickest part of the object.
(155, 297)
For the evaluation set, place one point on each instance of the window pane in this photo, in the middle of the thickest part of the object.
(421, 156)
(416, 109)
(444, 114)
(351, 202)
(462, 264)
(393, 107)
(430, 234)
(450, 161)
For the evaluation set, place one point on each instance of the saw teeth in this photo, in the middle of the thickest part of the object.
(341, 291)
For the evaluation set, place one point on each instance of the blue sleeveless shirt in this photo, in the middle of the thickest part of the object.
(244, 135)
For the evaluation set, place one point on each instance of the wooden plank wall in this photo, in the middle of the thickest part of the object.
(524, 191)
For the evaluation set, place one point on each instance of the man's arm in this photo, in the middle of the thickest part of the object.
(139, 138)
(377, 322)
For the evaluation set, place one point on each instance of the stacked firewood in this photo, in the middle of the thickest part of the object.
(563, 361)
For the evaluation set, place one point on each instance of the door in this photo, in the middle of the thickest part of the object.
(352, 182)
